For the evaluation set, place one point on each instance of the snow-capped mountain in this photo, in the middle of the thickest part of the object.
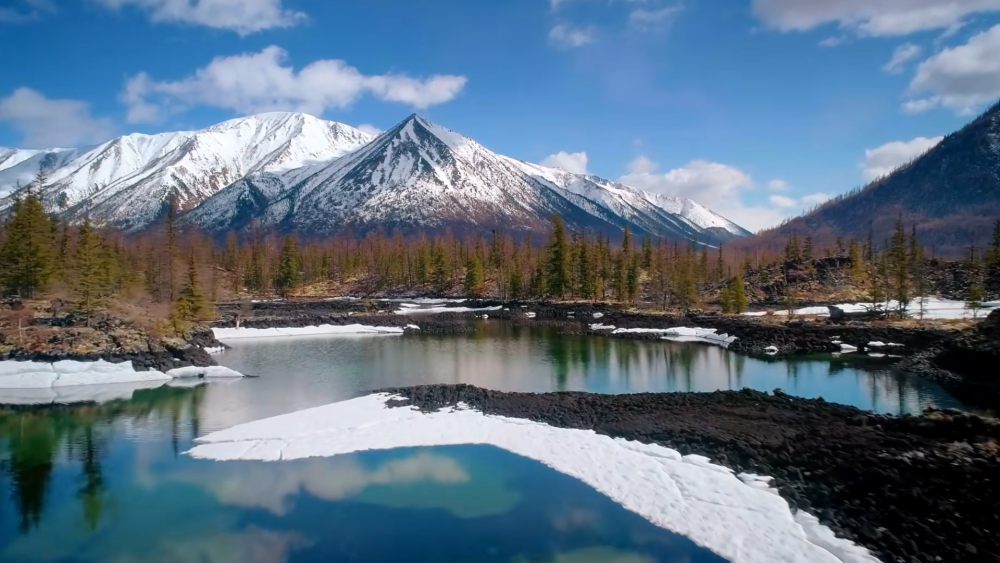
(126, 182)
(421, 176)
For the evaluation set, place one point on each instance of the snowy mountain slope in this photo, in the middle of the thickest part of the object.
(127, 181)
(20, 166)
(421, 176)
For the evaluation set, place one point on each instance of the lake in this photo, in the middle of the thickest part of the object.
(95, 483)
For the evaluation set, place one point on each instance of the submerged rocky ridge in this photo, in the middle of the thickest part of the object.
(908, 488)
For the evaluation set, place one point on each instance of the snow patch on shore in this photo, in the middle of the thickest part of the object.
(68, 381)
(431, 310)
(684, 494)
(674, 334)
(933, 308)
(215, 349)
(242, 332)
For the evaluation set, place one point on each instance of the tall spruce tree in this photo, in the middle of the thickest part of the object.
(28, 252)
(899, 267)
(89, 280)
(189, 305)
(288, 276)
(474, 285)
(557, 274)
(739, 294)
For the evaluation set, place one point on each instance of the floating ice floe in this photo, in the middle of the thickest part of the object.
(675, 334)
(413, 327)
(71, 381)
(242, 332)
(742, 522)
(847, 348)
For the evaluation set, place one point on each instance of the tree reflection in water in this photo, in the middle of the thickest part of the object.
(35, 439)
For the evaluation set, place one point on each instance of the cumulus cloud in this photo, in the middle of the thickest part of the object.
(902, 55)
(778, 185)
(20, 11)
(46, 123)
(961, 78)
(641, 165)
(781, 201)
(567, 36)
(575, 162)
(871, 17)
(242, 16)
(722, 188)
(368, 128)
(882, 160)
(254, 82)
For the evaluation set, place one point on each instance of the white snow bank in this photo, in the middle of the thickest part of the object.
(429, 310)
(423, 301)
(65, 373)
(209, 371)
(684, 494)
(70, 381)
(242, 332)
(933, 308)
(413, 327)
(601, 326)
(771, 350)
(598, 315)
(215, 349)
(675, 334)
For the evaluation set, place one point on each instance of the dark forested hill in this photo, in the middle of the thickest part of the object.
(951, 193)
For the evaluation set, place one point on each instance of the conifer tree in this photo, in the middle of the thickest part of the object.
(647, 253)
(807, 249)
(558, 260)
(857, 261)
(994, 255)
(29, 248)
(726, 299)
(585, 274)
(632, 280)
(189, 305)
(899, 267)
(739, 294)
(474, 277)
(288, 276)
(975, 300)
(89, 282)
(792, 251)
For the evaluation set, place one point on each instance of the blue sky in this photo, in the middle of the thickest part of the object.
(757, 108)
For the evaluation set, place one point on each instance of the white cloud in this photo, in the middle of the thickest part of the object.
(833, 41)
(643, 19)
(368, 128)
(26, 10)
(575, 162)
(641, 165)
(961, 78)
(242, 16)
(254, 82)
(567, 36)
(721, 188)
(870, 17)
(46, 123)
(781, 201)
(882, 160)
(902, 55)
(812, 200)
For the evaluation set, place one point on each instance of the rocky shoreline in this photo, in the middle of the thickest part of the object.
(908, 488)
(113, 341)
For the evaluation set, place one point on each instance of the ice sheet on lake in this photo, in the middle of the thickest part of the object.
(684, 494)
(72, 381)
(243, 332)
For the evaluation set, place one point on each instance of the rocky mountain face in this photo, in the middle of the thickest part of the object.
(951, 194)
(296, 173)
(419, 176)
(127, 182)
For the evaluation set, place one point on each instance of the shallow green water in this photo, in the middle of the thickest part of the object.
(108, 482)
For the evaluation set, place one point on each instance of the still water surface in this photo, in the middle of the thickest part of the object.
(96, 483)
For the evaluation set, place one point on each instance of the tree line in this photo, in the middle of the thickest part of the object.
(184, 271)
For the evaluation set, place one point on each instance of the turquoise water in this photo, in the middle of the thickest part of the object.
(106, 483)
(109, 483)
